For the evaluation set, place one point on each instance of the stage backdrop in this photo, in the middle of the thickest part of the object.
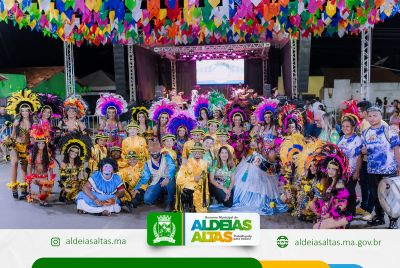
(153, 70)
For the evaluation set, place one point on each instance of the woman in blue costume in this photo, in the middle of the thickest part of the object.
(102, 192)
(256, 184)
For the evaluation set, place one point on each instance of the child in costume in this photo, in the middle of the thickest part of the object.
(22, 105)
(180, 125)
(168, 147)
(135, 143)
(130, 176)
(99, 151)
(197, 136)
(141, 116)
(52, 107)
(159, 173)
(256, 185)
(111, 106)
(222, 140)
(116, 154)
(201, 111)
(74, 109)
(76, 150)
(160, 112)
(222, 179)
(40, 167)
(192, 194)
(102, 192)
(213, 126)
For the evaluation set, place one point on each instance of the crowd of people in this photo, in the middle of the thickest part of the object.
(245, 153)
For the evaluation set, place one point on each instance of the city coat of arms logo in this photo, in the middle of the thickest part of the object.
(164, 229)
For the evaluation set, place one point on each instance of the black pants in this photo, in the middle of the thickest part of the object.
(138, 198)
(367, 201)
(220, 196)
(352, 201)
(374, 180)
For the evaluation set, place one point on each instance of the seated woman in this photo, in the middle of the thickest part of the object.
(256, 184)
(222, 177)
(101, 193)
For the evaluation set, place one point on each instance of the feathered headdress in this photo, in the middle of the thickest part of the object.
(234, 111)
(163, 106)
(200, 104)
(181, 119)
(53, 102)
(23, 98)
(216, 100)
(139, 110)
(331, 153)
(304, 158)
(290, 146)
(267, 105)
(39, 133)
(350, 109)
(111, 100)
(77, 102)
(288, 112)
(82, 142)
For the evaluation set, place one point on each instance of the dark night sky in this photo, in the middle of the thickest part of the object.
(23, 48)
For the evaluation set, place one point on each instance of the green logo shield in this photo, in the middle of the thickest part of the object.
(165, 229)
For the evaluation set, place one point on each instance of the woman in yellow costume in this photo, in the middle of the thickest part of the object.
(130, 176)
(22, 104)
(192, 192)
(135, 143)
(99, 151)
(141, 116)
(76, 150)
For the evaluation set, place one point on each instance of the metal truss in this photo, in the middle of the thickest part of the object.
(366, 44)
(131, 73)
(184, 52)
(69, 69)
(265, 71)
(173, 74)
(293, 63)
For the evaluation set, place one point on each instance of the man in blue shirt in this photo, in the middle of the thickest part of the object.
(159, 173)
(383, 159)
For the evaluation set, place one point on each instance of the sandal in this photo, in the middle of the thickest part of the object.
(45, 204)
(15, 194)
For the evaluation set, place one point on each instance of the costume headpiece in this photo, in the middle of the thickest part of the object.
(197, 130)
(222, 132)
(22, 98)
(76, 102)
(217, 101)
(350, 110)
(304, 159)
(110, 100)
(213, 121)
(53, 102)
(39, 133)
(236, 111)
(201, 104)
(168, 136)
(163, 106)
(130, 155)
(197, 148)
(182, 119)
(290, 146)
(331, 154)
(116, 149)
(374, 109)
(132, 125)
(266, 106)
(139, 110)
(81, 142)
(289, 112)
(100, 136)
